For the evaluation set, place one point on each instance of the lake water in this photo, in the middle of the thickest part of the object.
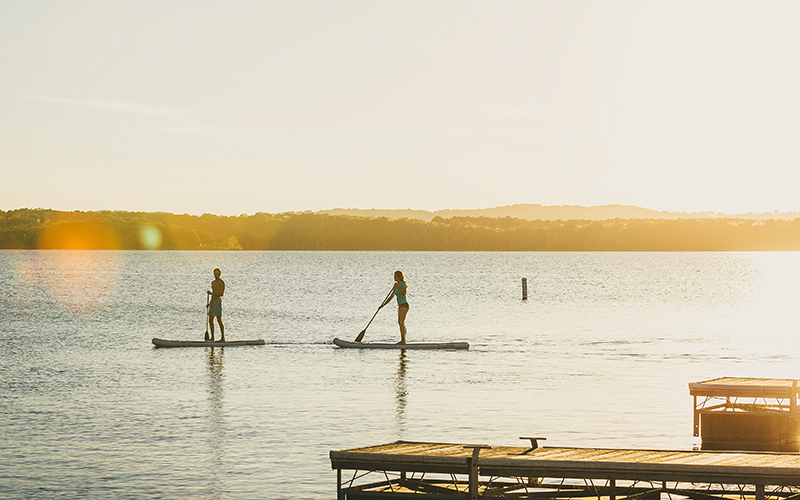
(599, 355)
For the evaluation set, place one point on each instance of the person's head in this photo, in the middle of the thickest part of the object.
(217, 273)
(398, 276)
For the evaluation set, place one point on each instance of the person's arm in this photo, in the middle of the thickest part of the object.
(388, 299)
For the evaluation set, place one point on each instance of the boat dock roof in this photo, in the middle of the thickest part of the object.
(744, 387)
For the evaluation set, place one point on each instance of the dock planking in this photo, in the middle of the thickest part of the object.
(618, 470)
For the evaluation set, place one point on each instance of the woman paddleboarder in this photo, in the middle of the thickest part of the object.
(399, 291)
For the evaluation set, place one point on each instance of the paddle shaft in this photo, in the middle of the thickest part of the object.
(361, 335)
(207, 302)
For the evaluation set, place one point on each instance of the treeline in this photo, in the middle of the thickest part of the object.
(43, 228)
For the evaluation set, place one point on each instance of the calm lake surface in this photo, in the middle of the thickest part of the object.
(599, 355)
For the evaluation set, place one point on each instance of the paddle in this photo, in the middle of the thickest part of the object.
(361, 335)
(207, 315)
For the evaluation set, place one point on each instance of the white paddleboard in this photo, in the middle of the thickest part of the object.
(413, 345)
(203, 343)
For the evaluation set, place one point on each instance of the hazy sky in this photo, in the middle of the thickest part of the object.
(242, 107)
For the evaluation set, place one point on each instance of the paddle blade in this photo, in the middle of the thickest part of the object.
(361, 335)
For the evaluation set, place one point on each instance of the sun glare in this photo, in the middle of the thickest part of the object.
(81, 281)
(87, 275)
(76, 235)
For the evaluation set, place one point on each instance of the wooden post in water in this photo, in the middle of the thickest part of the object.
(524, 288)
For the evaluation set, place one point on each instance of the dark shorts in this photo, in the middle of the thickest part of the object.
(215, 308)
(404, 306)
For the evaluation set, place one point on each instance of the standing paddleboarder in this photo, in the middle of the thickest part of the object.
(399, 291)
(215, 306)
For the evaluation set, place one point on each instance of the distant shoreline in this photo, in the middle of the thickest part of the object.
(117, 230)
(529, 211)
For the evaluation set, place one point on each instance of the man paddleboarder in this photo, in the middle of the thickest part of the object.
(215, 306)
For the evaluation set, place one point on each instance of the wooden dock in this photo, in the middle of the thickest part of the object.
(755, 414)
(458, 471)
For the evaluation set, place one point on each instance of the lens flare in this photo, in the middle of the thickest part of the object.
(150, 237)
(80, 281)
(76, 235)
(74, 268)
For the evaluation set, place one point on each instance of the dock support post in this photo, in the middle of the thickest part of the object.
(696, 418)
(759, 492)
(473, 474)
(793, 399)
(472, 465)
(339, 494)
(612, 489)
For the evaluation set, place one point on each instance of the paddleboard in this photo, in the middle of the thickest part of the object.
(414, 345)
(203, 343)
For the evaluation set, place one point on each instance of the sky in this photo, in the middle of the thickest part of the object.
(236, 107)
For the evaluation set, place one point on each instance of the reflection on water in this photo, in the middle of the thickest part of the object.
(216, 434)
(81, 281)
(401, 395)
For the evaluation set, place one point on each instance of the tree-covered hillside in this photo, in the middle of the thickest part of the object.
(51, 229)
